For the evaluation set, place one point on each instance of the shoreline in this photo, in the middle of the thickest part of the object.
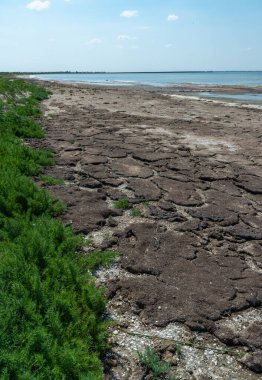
(191, 172)
(189, 92)
(183, 87)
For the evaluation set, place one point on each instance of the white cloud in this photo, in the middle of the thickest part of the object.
(123, 37)
(172, 18)
(129, 13)
(94, 41)
(38, 5)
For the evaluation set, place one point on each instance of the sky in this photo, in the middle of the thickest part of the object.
(130, 35)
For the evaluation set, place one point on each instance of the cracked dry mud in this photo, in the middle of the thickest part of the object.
(191, 263)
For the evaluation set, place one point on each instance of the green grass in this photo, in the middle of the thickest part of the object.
(158, 369)
(51, 180)
(122, 204)
(52, 323)
(135, 212)
(96, 259)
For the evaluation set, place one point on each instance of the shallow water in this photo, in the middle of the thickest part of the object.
(247, 78)
(244, 97)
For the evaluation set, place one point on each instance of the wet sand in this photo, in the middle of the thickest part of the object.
(190, 268)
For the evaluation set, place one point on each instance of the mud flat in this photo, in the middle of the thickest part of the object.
(190, 270)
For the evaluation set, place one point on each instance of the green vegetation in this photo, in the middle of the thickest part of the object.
(157, 368)
(89, 241)
(135, 212)
(179, 349)
(52, 324)
(51, 180)
(145, 203)
(122, 203)
(72, 141)
(95, 259)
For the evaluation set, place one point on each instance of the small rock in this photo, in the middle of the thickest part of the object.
(174, 360)
(168, 356)
(124, 324)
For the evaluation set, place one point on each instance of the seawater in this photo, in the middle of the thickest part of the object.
(247, 96)
(167, 79)
(247, 78)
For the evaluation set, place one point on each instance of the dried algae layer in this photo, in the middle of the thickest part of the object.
(190, 239)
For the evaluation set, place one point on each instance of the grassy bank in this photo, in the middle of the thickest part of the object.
(51, 313)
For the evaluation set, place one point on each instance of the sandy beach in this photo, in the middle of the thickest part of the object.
(190, 269)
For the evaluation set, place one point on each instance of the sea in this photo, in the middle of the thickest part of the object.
(169, 79)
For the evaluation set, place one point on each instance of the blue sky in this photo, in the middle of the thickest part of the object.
(130, 35)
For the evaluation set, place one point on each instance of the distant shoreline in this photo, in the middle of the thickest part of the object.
(128, 72)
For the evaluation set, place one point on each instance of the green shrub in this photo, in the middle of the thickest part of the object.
(20, 196)
(122, 204)
(159, 369)
(51, 180)
(52, 323)
(96, 259)
(50, 307)
(22, 126)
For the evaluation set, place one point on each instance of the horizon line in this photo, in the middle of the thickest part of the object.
(128, 72)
